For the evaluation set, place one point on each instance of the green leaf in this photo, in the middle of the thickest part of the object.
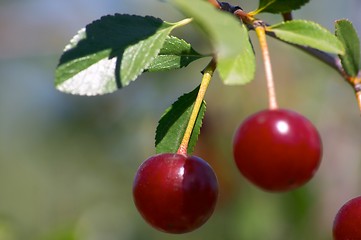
(110, 53)
(347, 34)
(241, 68)
(229, 38)
(279, 6)
(309, 34)
(175, 53)
(173, 123)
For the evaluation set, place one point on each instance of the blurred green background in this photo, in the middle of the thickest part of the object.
(67, 162)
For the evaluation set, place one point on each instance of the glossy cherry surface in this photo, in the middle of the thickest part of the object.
(175, 193)
(347, 223)
(277, 150)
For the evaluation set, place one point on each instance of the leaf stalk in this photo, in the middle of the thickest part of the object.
(183, 22)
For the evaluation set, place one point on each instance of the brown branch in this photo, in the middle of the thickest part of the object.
(358, 97)
(287, 16)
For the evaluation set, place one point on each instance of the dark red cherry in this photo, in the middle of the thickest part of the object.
(347, 223)
(277, 150)
(175, 193)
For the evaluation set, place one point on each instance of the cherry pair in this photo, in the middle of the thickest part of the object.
(277, 150)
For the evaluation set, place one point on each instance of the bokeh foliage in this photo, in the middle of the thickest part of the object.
(67, 163)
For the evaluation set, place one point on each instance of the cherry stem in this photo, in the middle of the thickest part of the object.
(357, 87)
(207, 75)
(261, 34)
(358, 96)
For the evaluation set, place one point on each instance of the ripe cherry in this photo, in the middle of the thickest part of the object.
(347, 223)
(175, 193)
(277, 150)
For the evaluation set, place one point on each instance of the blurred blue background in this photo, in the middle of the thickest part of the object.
(67, 162)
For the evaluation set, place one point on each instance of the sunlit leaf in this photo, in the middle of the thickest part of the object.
(173, 123)
(241, 68)
(229, 38)
(309, 34)
(175, 53)
(110, 53)
(347, 34)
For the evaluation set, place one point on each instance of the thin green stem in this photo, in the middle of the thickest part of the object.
(183, 22)
(207, 75)
(257, 11)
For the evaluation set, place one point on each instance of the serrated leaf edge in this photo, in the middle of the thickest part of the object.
(340, 55)
(272, 27)
(264, 8)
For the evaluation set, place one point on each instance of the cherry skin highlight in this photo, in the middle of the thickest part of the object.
(277, 149)
(175, 193)
(347, 223)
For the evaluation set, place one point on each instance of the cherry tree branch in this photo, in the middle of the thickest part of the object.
(330, 60)
(287, 16)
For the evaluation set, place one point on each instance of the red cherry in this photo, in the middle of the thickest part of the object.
(277, 150)
(175, 193)
(347, 223)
